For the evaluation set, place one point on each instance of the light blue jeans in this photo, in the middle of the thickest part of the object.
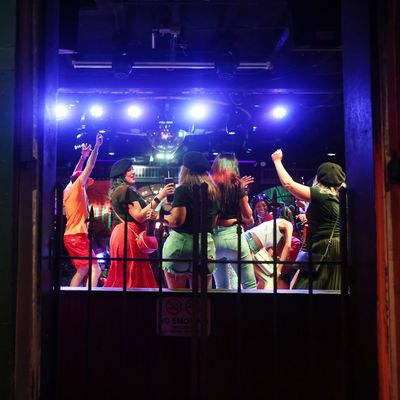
(226, 243)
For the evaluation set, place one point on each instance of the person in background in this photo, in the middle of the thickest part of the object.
(260, 207)
(179, 243)
(124, 198)
(323, 220)
(76, 209)
(234, 209)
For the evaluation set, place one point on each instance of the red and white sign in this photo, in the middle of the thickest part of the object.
(177, 316)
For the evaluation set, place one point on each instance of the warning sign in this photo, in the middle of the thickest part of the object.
(177, 316)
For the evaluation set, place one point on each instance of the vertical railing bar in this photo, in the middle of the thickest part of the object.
(125, 296)
(89, 301)
(239, 261)
(126, 211)
(56, 281)
(160, 232)
(195, 287)
(90, 237)
(275, 206)
(275, 346)
(238, 392)
(203, 294)
(344, 292)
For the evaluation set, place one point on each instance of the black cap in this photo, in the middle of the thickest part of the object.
(330, 174)
(196, 162)
(120, 167)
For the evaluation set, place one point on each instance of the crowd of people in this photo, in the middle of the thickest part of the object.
(248, 243)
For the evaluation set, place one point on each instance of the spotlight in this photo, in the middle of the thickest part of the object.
(96, 111)
(279, 112)
(134, 111)
(61, 111)
(198, 111)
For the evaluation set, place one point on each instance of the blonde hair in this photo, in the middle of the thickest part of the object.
(333, 190)
(188, 177)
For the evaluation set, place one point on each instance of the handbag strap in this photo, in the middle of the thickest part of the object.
(331, 237)
(123, 221)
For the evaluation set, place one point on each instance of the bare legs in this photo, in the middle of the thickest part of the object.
(178, 281)
(81, 273)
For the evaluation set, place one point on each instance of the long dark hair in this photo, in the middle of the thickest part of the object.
(225, 173)
(115, 184)
(186, 176)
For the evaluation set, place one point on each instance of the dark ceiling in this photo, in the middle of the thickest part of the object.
(239, 57)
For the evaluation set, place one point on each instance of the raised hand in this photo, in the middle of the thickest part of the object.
(99, 139)
(166, 190)
(86, 149)
(246, 180)
(277, 155)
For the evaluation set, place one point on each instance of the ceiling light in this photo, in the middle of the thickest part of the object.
(61, 111)
(96, 111)
(198, 111)
(134, 111)
(279, 112)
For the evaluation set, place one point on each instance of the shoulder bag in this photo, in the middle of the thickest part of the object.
(302, 261)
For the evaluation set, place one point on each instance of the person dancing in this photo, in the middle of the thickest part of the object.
(323, 219)
(124, 198)
(179, 243)
(76, 210)
(234, 208)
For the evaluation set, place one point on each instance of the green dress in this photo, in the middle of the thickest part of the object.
(322, 214)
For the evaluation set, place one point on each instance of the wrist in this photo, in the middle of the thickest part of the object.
(157, 200)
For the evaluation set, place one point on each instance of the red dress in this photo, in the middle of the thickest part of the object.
(138, 273)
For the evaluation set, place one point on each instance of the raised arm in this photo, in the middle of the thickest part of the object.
(286, 228)
(246, 211)
(92, 159)
(296, 189)
(86, 149)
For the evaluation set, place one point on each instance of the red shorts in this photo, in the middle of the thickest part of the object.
(78, 246)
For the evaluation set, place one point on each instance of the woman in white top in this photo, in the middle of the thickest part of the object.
(262, 236)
